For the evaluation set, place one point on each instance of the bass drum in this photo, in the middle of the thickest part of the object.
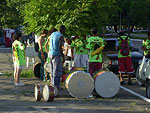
(107, 84)
(38, 92)
(79, 84)
(48, 93)
(36, 70)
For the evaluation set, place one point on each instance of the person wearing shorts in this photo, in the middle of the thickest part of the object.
(95, 42)
(125, 64)
(18, 50)
(81, 52)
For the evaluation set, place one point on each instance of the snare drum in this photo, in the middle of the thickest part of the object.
(79, 84)
(36, 69)
(38, 92)
(48, 93)
(107, 84)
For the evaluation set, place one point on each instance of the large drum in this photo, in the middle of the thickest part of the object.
(48, 93)
(79, 84)
(107, 84)
(38, 92)
(80, 69)
(36, 69)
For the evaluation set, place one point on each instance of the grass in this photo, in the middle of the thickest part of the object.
(24, 74)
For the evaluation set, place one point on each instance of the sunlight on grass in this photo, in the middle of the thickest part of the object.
(24, 74)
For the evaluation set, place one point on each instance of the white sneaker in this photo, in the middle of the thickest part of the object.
(19, 84)
(90, 96)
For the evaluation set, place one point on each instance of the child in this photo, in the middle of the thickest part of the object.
(18, 50)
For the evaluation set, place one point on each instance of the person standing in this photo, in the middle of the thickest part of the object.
(42, 52)
(95, 43)
(124, 46)
(1, 36)
(146, 46)
(18, 50)
(81, 52)
(56, 56)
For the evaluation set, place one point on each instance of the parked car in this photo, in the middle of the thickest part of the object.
(110, 56)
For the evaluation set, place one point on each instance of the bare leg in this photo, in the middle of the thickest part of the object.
(15, 72)
(121, 77)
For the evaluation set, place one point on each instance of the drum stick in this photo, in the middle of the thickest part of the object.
(97, 51)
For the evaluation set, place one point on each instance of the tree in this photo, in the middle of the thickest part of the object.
(79, 16)
(9, 15)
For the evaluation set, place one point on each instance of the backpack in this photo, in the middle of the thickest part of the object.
(124, 47)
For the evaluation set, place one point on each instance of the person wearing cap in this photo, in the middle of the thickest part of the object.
(146, 46)
(42, 52)
(125, 64)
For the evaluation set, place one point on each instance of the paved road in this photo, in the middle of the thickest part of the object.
(21, 99)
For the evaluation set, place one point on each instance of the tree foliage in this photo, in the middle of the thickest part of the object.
(79, 16)
(9, 14)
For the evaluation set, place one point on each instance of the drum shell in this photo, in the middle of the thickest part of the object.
(107, 84)
(79, 84)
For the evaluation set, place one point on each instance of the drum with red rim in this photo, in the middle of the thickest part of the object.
(38, 92)
(48, 93)
(107, 84)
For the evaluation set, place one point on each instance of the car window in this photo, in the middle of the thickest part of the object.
(110, 45)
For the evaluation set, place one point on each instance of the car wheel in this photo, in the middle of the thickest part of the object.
(148, 89)
(137, 77)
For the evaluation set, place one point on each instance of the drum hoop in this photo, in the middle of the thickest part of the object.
(97, 74)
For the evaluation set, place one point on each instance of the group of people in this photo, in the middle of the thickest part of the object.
(86, 52)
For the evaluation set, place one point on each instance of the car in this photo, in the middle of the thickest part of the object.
(110, 56)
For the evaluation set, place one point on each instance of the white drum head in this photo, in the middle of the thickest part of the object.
(107, 84)
(80, 84)
(46, 93)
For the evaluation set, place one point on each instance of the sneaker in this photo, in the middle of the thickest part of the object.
(90, 96)
(19, 84)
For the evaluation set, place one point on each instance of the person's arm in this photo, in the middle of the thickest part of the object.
(47, 43)
(117, 45)
(40, 42)
(60, 47)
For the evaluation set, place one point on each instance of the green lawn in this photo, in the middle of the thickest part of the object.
(24, 74)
